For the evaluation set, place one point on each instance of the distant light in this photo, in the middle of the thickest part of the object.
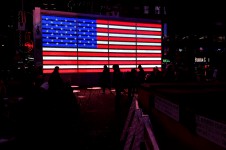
(3, 45)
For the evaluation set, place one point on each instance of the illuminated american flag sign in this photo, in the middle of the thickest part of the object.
(85, 45)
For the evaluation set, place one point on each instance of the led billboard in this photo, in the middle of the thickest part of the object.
(85, 44)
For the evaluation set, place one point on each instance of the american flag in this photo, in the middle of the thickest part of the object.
(86, 45)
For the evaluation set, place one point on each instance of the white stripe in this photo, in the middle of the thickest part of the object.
(150, 66)
(58, 58)
(116, 35)
(93, 58)
(122, 27)
(155, 44)
(149, 51)
(149, 36)
(122, 58)
(90, 66)
(147, 58)
(116, 43)
(60, 66)
(102, 34)
(59, 49)
(121, 51)
(128, 27)
(91, 50)
(149, 29)
(102, 26)
(122, 35)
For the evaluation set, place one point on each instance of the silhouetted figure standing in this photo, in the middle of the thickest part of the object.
(117, 83)
(105, 79)
(132, 83)
(141, 75)
(56, 83)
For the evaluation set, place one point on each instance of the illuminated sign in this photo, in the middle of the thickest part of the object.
(201, 59)
(85, 45)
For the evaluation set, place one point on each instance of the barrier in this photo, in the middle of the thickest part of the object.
(137, 133)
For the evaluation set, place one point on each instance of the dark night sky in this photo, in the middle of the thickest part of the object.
(187, 13)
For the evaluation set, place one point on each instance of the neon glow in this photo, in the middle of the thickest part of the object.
(85, 45)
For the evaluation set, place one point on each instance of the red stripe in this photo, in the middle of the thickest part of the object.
(123, 54)
(149, 32)
(129, 47)
(149, 62)
(148, 55)
(122, 47)
(101, 21)
(90, 62)
(153, 25)
(90, 70)
(122, 23)
(124, 31)
(54, 53)
(105, 38)
(122, 70)
(149, 40)
(151, 69)
(149, 47)
(104, 30)
(92, 54)
(59, 62)
(121, 62)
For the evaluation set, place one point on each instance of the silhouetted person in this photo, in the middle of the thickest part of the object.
(141, 75)
(156, 75)
(117, 83)
(169, 74)
(132, 83)
(105, 79)
(55, 81)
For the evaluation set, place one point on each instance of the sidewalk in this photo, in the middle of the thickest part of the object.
(99, 126)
